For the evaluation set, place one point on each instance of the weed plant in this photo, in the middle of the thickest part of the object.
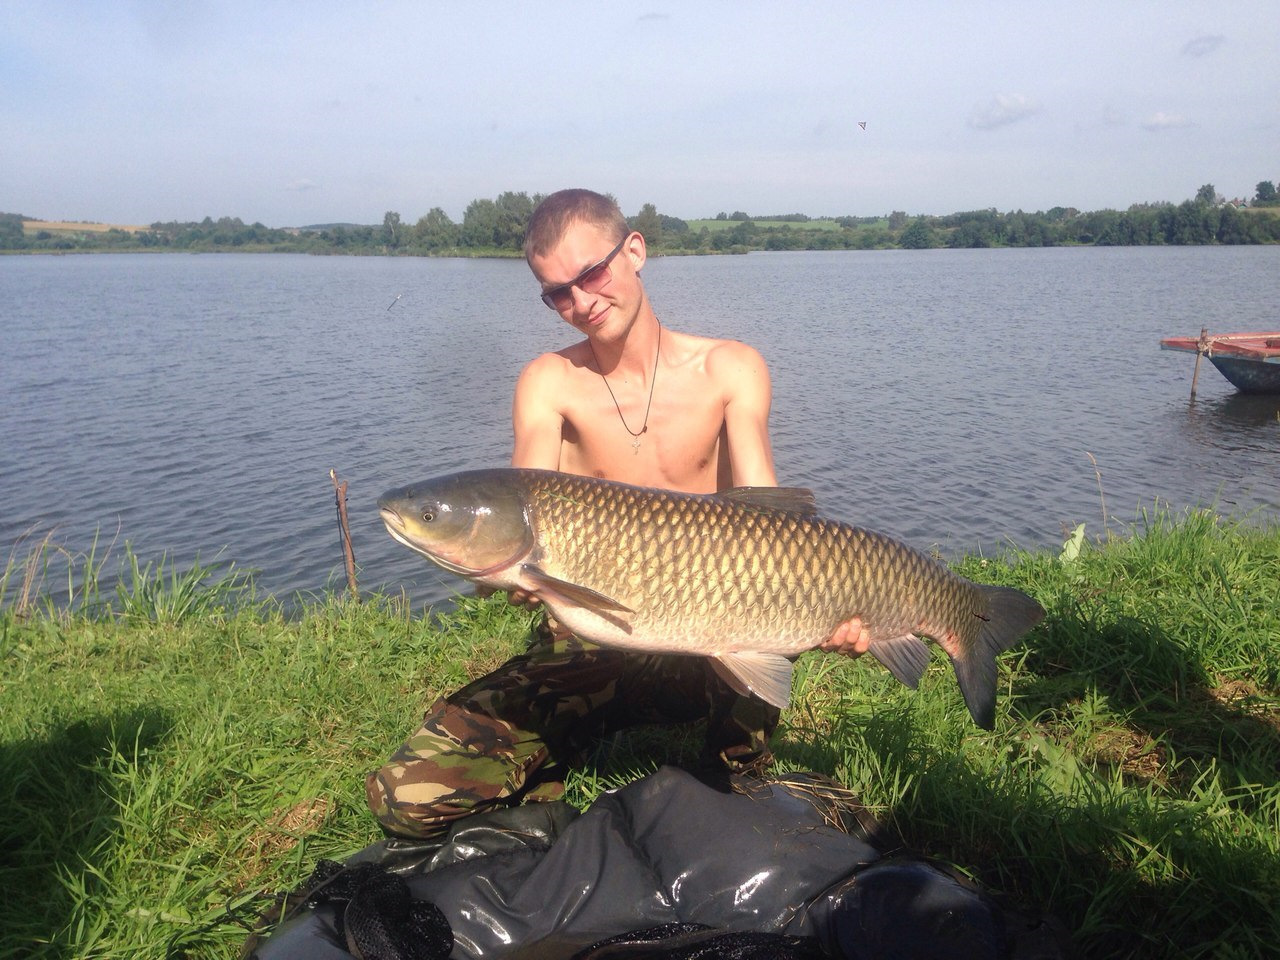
(173, 749)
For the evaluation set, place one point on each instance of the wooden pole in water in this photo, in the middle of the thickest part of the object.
(340, 494)
(1201, 349)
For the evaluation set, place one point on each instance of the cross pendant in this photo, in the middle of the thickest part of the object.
(636, 443)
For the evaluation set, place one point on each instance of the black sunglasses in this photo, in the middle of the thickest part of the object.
(591, 280)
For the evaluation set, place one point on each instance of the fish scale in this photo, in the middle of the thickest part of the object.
(749, 577)
(773, 575)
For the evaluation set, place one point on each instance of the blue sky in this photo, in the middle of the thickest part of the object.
(293, 113)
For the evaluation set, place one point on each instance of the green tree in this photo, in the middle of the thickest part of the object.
(11, 233)
(391, 228)
(1232, 227)
(648, 223)
(512, 212)
(480, 224)
(435, 231)
(1207, 195)
(918, 236)
(1266, 192)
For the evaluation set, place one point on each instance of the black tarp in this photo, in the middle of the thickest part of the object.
(777, 857)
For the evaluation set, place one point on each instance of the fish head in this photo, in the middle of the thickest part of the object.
(473, 524)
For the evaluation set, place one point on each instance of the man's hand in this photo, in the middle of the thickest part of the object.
(851, 638)
(522, 598)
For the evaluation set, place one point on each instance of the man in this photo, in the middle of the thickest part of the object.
(633, 402)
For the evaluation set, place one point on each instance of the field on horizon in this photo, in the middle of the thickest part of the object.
(72, 226)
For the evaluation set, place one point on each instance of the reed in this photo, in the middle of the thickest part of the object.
(173, 749)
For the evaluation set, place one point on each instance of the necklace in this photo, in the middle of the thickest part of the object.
(635, 435)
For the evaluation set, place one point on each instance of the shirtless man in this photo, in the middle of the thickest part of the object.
(633, 402)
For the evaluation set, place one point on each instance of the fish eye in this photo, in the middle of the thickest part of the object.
(428, 516)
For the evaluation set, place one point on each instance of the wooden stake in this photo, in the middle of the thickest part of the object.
(340, 494)
(1201, 349)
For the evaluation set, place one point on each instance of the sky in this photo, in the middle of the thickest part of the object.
(299, 113)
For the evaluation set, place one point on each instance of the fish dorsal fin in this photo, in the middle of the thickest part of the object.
(764, 675)
(789, 499)
(556, 592)
(905, 656)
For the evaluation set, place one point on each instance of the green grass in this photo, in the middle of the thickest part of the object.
(173, 748)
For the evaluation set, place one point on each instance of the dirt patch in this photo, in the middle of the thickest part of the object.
(1133, 752)
(282, 831)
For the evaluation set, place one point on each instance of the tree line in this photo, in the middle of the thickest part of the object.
(495, 227)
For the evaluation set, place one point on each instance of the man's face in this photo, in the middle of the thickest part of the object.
(586, 291)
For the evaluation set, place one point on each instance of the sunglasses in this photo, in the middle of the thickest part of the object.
(591, 280)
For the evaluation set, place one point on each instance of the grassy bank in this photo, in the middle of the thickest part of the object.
(170, 749)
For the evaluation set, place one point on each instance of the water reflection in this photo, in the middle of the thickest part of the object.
(1235, 421)
(1241, 414)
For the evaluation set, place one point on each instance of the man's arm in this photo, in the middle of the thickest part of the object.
(537, 422)
(746, 417)
(538, 426)
(748, 395)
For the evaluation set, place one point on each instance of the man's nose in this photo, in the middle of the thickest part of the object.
(582, 301)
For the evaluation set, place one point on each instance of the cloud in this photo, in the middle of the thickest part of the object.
(1203, 46)
(1004, 108)
(301, 185)
(1165, 121)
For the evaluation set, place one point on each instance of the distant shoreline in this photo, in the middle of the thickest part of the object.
(500, 235)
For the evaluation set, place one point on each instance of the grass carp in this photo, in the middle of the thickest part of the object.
(750, 577)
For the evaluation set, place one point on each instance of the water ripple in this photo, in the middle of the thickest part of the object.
(952, 398)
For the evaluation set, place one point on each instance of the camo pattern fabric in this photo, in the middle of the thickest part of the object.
(509, 736)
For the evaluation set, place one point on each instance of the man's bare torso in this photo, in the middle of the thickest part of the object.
(682, 447)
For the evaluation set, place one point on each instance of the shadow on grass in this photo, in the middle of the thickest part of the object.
(1083, 857)
(1157, 690)
(1135, 799)
(59, 815)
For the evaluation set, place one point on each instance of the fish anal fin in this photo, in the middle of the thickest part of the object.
(799, 500)
(557, 592)
(906, 657)
(763, 675)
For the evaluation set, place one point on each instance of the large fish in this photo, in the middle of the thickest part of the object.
(749, 577)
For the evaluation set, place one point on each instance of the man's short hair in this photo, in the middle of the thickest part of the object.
(556, 213)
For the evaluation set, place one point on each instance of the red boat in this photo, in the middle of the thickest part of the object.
(1251, 361)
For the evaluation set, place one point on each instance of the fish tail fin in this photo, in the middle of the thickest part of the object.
(1010, 614)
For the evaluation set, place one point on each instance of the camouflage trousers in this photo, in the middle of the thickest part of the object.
(508, 737)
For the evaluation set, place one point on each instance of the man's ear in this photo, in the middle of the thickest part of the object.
(636, 250)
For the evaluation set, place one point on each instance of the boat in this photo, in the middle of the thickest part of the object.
(1251, 361)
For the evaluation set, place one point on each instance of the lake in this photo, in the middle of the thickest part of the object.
(194, 405)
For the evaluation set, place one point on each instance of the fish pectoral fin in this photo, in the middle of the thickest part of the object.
(764, 675)
(789, 499)
(906, 657)
(556, 592)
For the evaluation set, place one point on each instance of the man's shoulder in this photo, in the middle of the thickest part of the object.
(733, 357)
(714, 350)
(556, 363)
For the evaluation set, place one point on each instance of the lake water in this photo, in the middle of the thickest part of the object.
(195, 404)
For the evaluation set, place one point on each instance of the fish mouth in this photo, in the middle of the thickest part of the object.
(399, 533)
(394, 522)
